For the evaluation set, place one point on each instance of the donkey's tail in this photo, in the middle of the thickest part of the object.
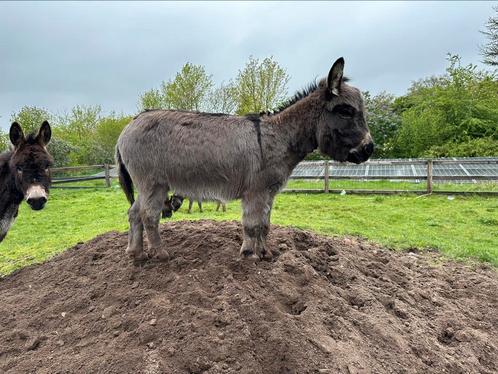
(124, 178)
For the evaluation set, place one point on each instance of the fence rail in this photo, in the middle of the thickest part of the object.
(104, 175)
(430, 171)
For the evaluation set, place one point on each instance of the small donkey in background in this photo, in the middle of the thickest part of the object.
(24, 173)
(175, 202)
(219, 204)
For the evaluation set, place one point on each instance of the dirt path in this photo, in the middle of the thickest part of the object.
(324, 305)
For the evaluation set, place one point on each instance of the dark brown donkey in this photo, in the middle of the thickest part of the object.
(24, 173)
(220, 157)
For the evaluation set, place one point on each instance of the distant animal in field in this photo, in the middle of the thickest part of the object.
(175, 202)
(219, 204)
(171, 205)
(24, 173)
(225, 157)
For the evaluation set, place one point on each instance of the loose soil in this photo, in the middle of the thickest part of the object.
(323, 305)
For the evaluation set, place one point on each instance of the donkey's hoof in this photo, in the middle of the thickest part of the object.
(249, 255)
(160, 254)
(266, 254)
(136, 254)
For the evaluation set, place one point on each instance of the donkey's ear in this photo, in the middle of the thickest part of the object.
(335, 76)
(44, 134)
(16, 135)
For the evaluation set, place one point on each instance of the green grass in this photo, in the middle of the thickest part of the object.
(466, 227)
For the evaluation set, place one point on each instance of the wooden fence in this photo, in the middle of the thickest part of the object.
(326, 175)
(104, 175)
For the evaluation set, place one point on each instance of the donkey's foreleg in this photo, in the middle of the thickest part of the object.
(256, 225)
(135, 236)
(150, 211)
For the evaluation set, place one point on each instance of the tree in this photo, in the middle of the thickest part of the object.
(490, 50)
(4, 141)
(442, 112)
(152, 99)
(61, 151)
(383, 122)
(81, 122)
(77, 129)
(260, 86)
(107, 133)
(223, 99)
(189, 89)
(31, 118)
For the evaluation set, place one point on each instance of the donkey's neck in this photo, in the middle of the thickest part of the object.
(297, 124)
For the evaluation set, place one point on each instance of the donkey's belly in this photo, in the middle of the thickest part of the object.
(206, 191)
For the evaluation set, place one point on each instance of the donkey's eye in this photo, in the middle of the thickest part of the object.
(344, 111)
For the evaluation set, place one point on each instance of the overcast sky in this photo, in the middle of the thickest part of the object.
(57, 55)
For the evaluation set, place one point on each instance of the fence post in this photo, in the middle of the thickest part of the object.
(107, 175)
(429, 176)
(326, 176)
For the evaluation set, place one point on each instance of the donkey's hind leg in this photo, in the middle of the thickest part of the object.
(135, 236)
(151, 204)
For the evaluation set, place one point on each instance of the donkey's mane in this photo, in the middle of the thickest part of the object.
(31, 138)
(299, 95)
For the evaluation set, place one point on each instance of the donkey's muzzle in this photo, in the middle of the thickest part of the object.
(362, 154)
(37, 203)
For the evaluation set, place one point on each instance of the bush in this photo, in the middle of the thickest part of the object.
(482, 147)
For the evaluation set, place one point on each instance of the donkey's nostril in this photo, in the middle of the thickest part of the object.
(37, 203)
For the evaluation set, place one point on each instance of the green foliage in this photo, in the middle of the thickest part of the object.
(490, 50)
(223, 99)
(152, 99)
(457, 107)
(480, 147)
(4, 141)
(30, 118)
(188, 91)
(81, 137)
(261, 86)
(383, 121)
(80, 123)
(61, 151)
(107, 133)
(78, 128)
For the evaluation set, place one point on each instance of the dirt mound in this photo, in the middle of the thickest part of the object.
(324, 305)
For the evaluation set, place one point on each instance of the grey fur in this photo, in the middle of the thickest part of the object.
(221, 157)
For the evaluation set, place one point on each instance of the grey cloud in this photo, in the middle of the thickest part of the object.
(57, 55)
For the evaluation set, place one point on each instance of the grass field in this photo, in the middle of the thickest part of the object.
(465, 227)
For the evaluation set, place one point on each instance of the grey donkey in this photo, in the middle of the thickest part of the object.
(225, 157)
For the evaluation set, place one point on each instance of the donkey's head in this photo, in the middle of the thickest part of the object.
(343, 131)
(30, 164)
